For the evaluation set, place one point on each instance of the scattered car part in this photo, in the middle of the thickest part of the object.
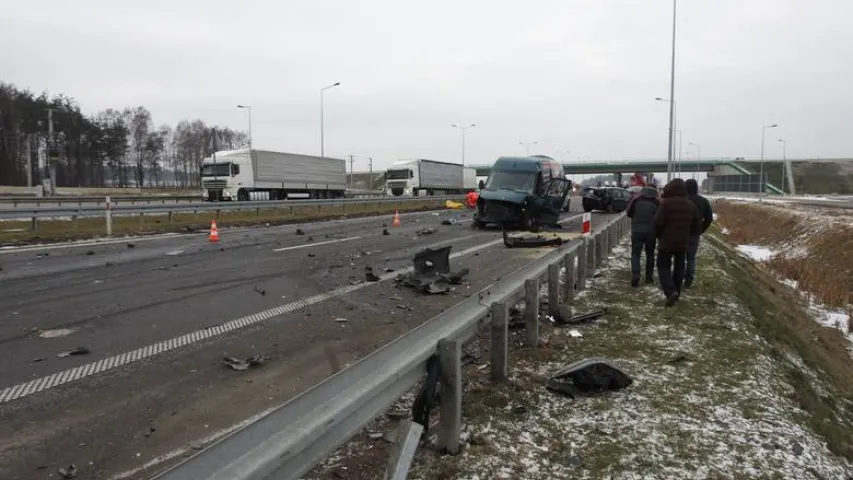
(76, 351)
(432, 271)
(428, 395)
(68, 472)
(528, 241)
(594, 374)
(564, 321)
(241, 365)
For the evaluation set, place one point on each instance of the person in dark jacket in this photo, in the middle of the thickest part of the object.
(707, 216)
(642, 209)
(676, 221)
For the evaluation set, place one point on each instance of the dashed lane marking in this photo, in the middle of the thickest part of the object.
(337, 240)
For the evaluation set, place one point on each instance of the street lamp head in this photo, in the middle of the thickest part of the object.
(773, 126)
(244, 106)
(336, 84)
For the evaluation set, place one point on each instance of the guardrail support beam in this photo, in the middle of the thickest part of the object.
(583, 263)
(450, 359)
(553, 289)
(531, 311)
(500, 341)
(590, 256)
(569, 284)
(405, 444)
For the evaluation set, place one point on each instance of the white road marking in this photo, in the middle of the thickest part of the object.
(60, 378)
(314, 244)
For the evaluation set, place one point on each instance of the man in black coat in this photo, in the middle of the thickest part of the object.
(676, 221)
(641, 210)
(707, 216)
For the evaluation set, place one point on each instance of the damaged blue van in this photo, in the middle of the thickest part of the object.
(523, 192)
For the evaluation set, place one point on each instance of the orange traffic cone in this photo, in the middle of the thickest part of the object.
(214, 232)
(396, 219)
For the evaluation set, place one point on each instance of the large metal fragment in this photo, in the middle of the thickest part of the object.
(595, 374)
(530, 241)
(432, 271)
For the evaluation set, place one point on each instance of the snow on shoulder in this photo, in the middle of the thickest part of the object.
(755, 252)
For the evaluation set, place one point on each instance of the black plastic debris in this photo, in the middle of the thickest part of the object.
(131, 245)
(591, 375)
(260, 291)
(565, 319)
(530, 241)
(89, 253)
(312, 255)
(242, 365)
(68, 472)
(449, 221)
(76, 351)
(432, 271)
(309, 239)
(385, 231)
(299, 231)
(369, 275)
(425, 231)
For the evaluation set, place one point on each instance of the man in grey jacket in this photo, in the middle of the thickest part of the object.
(642, 210)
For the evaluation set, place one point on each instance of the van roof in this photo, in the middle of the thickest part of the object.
(522, 164)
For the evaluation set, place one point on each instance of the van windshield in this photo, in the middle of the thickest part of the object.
(519, 181)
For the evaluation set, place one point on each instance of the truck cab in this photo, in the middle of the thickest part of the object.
(401, 178)
(224, 174)
(526, 192)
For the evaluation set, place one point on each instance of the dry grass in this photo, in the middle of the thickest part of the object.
(819, 256)
(20, 232)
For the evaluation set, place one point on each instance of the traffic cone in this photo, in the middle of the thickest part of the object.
(214, 232)
(396, 222)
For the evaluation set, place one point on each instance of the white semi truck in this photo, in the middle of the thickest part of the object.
(261, 175)
(419, 177)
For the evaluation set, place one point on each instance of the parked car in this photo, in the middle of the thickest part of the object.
(609, 199)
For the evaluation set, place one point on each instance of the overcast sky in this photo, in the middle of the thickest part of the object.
(574, 75)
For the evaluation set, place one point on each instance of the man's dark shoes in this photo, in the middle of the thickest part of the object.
(650, 280)
(635, 282)
(671, 299)
(688, 284)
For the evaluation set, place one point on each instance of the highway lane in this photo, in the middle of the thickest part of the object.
(186, 392)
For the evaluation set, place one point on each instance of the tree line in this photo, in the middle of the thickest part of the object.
(115, 148)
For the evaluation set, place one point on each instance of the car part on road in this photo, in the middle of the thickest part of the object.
(299, 231)
(591, 375)
(425, 231)
(69, 472)
(240, 365)
(76, 351)
(370, 276)
(432, 271)
(528, 241)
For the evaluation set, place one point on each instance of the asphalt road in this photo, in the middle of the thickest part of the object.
(158, 316)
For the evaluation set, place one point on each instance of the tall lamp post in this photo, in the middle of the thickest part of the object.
(322, 144)
(249, 109)
(785, 171)
(673, 107)
(463, 128)
(528, 144)
(761, 165)
(672, 92)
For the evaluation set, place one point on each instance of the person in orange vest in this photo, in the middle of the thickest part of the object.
(471, 199)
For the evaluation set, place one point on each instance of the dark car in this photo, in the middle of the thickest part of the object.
(609, 199)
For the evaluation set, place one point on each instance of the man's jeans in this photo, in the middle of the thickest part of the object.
(670, 281)
(640, 242)
(692, 250)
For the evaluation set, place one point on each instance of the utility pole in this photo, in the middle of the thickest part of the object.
(671, 96)
(351, 171)
(370, 162)
(52, 156)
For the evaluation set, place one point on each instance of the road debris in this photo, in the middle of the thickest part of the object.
(55, 333)
(425, 231)
(341, 320)
(594, 374)
(68, 472)
(530, 241)
(299, 231)
(76, 351)
(241, 365)
(449, 221)
(432, 271)
(260, 291)
(370, 276)
(565, 318)
(575, 333)
(131, 245)
(385, 231)
(89, 253)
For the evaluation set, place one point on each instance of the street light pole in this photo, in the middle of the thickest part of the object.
(249, 109)
(785, 171)
(322, 144)
(673, 129)
(761, 165)
(528, 144)
(671, 94)
(463, 128)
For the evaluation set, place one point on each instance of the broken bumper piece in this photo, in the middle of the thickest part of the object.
(530, 241)
(432, 272)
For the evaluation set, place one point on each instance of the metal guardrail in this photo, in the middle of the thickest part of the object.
(289, 441)
(123, 208)
(136, 199)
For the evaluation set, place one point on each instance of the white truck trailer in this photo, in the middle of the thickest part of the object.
(419, 177)
(262, 175)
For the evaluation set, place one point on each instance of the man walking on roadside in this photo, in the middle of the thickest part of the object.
(642, 209)
(707, 216)
(676, 221)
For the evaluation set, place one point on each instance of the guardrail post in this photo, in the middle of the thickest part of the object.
(450, 359)
(553, 289)
(590, 256)
(171, 216)
(500, 341)
(108, 213)
(583, 263)
(34, 225)
(569, 285)
(531, 311)
(141, 221)
(406, 442)
(601, 254)
(611, 236)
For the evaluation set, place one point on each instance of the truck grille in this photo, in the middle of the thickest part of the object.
(213, 184)
(397, 184)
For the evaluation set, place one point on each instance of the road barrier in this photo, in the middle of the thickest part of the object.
(289, 441)
(110, 209)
